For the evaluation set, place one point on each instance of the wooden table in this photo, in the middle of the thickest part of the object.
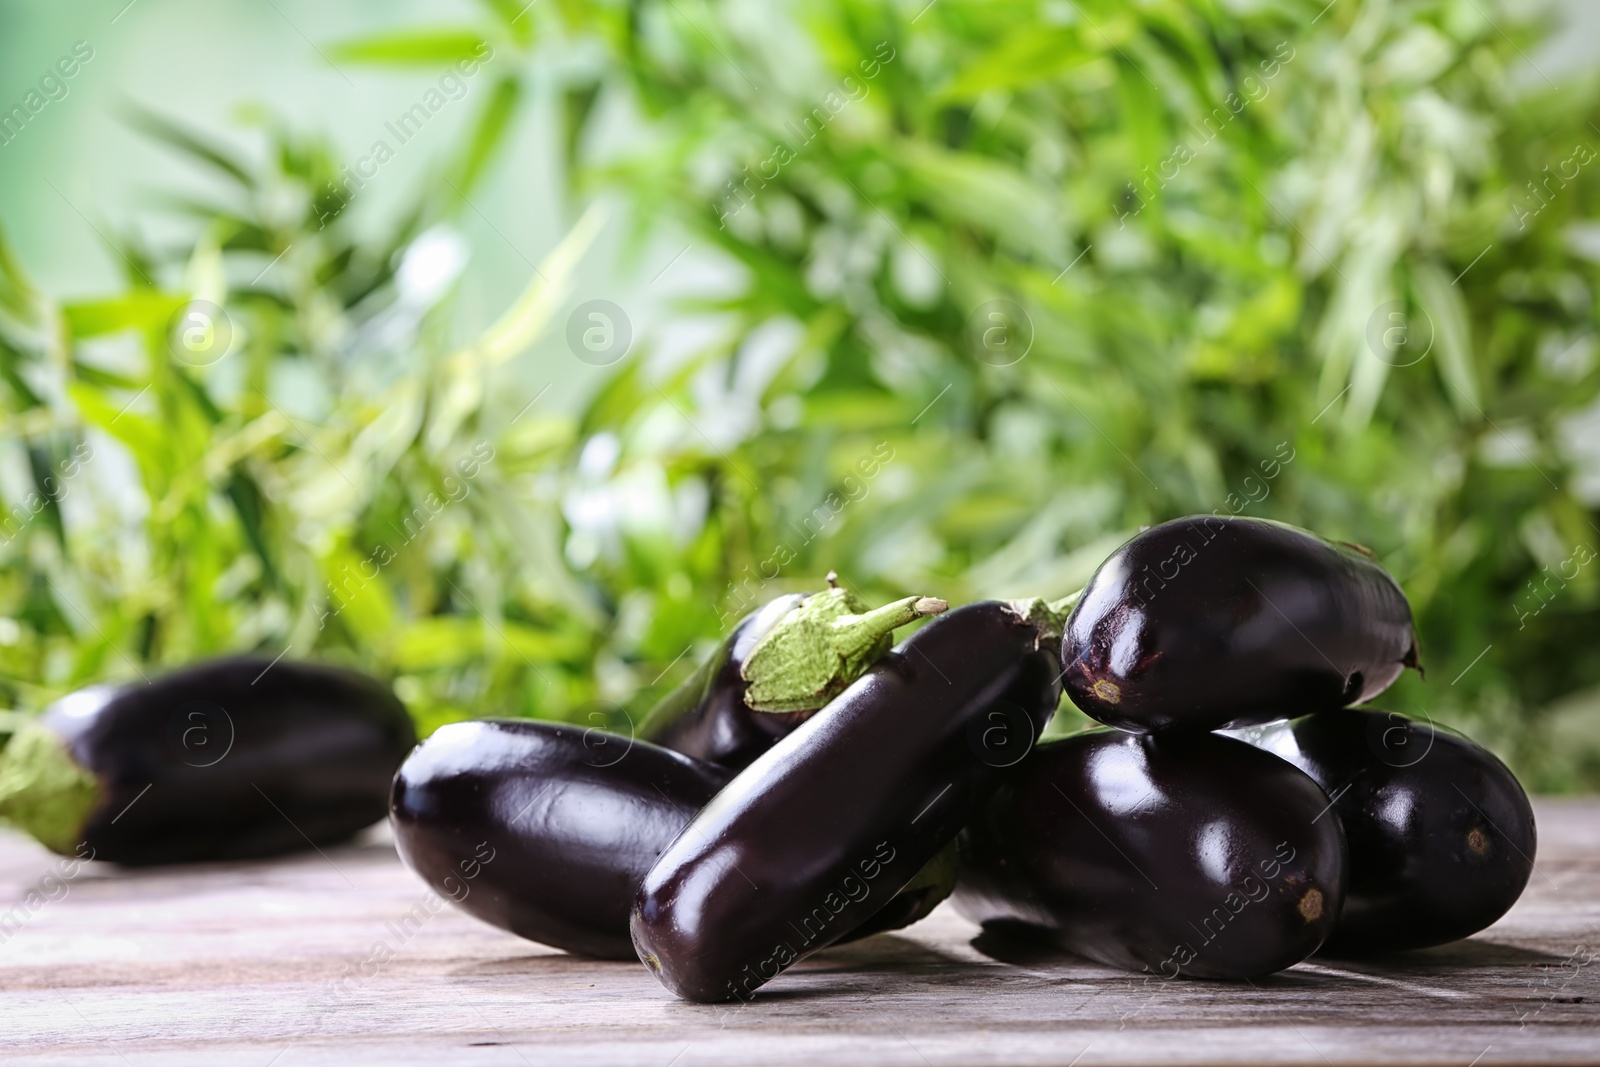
(242, 964)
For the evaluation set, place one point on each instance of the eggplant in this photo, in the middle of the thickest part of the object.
(571, 818)
(1171, 854)
(1210, 622)
(774, 670)
(234, 758)
(706, 717)
(546, 829)
(1441, 835)
(838, 816)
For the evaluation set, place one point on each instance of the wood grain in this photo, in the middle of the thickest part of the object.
(242, 964)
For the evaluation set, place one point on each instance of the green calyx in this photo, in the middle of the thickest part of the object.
(1049, 617)
(43, 792)
(823, 645)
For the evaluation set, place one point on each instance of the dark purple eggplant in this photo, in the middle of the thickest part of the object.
(571, 819)
(235, 758)
(1208, 622)
(774, 670)
(1189, 854)
(546, 830)
(706, 717)
(1441, 834)
(840, 815)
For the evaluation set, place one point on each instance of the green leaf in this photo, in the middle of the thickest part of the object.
(487, 133)
(411, 48)
(191, 144)
(1452, 335)
(105, 379)
(577, 103)
(40, 465)
(138, 309)
(516, 16)
(142, 436)
(1025, 58)
(25, 312)
(11, 361)
(525, 320)
(450, 640)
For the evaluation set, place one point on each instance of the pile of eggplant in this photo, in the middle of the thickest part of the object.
(811, 784)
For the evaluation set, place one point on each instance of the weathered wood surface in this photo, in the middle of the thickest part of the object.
(240, 964)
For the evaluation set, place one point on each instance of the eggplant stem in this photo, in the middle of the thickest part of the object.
(823, 645)
(43, 791)
(1048, 617)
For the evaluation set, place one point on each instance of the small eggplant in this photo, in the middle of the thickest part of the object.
(235, 758)
(1171, 854)
(1441, 834)
(779, 665)
(1209, 622)
(546, 829)
(840, 815)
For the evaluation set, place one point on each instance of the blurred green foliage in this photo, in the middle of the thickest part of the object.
(1229, 230)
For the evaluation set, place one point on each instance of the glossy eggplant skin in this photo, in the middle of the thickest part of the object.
(842, 813)
(1171, 854)
(234, 758)
(1209, 622)
(1442, 836)
(707, 718)
(570, 818)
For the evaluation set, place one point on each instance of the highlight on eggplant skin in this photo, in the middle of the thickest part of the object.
(289, 755)
(1171, 854)
(841, 814)
(707, 718)
(1441, 835)
(1208, 622)
(571, 818)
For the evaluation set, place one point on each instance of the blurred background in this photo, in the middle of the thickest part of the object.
(512, 352)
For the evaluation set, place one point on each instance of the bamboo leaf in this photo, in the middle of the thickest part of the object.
(1452, 335)
(170, 133)
(411, 48)
(446, 641)
(25, 312)
(1025, 58)
(487, 134)
(137, 309)
(528, 316)
(250, 506)
(577, 103)
(142, 435)
(104, 379)
(516, 16)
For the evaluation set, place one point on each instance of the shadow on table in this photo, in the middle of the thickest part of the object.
(1457, 955)
(549, 962)
(1019, 948)
(883, 952)
(1471, 974)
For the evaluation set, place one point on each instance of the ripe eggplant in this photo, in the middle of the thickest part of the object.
(573, 819)
(235, 758)
(1208, 622)
(840, 814)
(546, 829)
(1171, 854)
(779, 665)
(1441, 834)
